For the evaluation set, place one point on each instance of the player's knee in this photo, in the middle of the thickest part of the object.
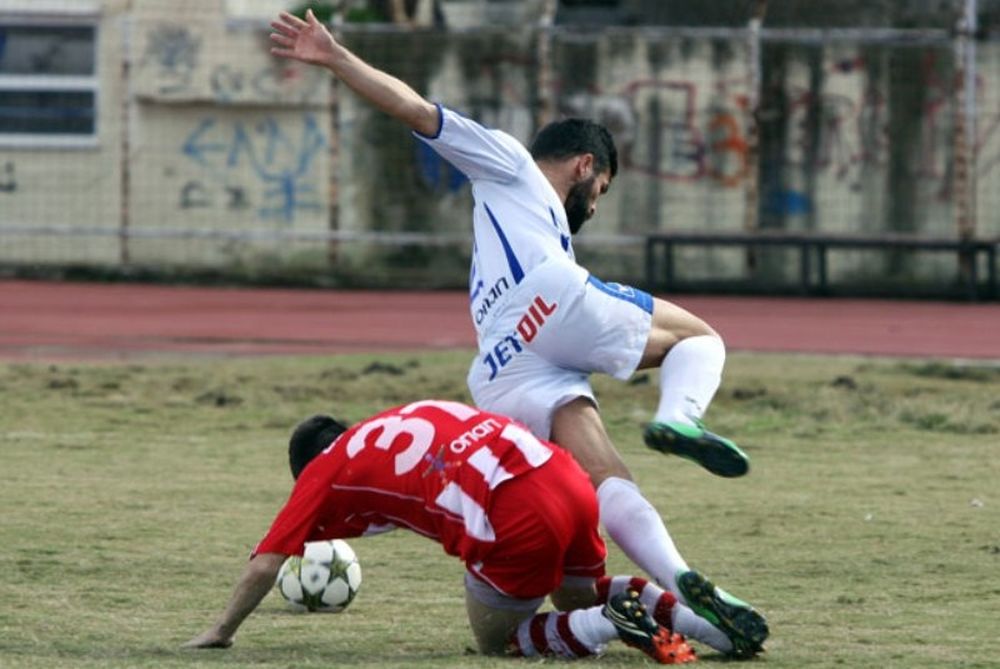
(676, 323)
(599, 472)
(661, 341)
(673, 335)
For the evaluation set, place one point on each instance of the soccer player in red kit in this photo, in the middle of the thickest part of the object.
(519, 512)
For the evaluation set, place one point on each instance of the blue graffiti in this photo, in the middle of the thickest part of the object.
(787, 203)
(176, 51)
(280, 161)
(435, 172)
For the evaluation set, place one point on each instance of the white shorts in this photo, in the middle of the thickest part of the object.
(557, 327)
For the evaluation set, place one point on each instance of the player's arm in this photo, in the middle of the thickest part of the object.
(257, 580)
(310, 42)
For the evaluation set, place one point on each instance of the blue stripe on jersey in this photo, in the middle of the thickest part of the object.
(515, 266)
(639, 298)
(563, 239)
(474, 286)
(476, 289)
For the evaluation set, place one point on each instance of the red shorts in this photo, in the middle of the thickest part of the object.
(546, 525)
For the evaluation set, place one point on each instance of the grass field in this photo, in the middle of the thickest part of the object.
(868, 530)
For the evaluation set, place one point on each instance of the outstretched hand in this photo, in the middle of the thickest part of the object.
(308, 41)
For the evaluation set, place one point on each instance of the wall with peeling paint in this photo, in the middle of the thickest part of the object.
(210, 152)
(855, 138)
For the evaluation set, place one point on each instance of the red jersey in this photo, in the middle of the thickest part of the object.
(430, 466)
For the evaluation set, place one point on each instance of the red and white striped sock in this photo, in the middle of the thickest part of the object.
(657, 601)
(574, 634)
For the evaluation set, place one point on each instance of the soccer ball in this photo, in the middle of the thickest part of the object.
(326, 578)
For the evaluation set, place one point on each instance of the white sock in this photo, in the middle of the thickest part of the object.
(592, 629)
(693, 626)
(689, 376)
(637, 528)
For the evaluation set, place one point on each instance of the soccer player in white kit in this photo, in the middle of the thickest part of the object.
(544, 324)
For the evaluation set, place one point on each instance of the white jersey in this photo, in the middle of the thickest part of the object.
(518, 220)
(543, 323)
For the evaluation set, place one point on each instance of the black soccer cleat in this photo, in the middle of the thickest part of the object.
(638, 629)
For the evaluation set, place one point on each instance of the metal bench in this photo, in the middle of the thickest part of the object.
(813, 249)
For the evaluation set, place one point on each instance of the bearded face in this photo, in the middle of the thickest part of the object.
(578, 203)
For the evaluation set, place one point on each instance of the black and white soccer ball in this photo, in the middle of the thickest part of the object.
(325, 578)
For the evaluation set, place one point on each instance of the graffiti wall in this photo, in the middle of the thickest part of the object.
(389, 180)
(234, 141)
(201, 132)
(854, 138)
(246, 170)
(182, 61)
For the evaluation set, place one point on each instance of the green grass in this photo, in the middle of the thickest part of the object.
(868, 530)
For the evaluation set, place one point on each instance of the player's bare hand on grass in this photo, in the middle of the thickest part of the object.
(209, 639)
(308, 41)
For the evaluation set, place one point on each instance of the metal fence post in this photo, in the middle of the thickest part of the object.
(965, 121)
(964, 175)
(333, 186)
(545, 109)
(752, 181)
(127, 24)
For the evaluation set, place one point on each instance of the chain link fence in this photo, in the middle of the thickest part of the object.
(134, 142)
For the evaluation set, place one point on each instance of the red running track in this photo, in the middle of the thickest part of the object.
(58, 321)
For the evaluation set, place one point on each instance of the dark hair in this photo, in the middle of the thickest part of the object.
(574, 136)
(309, 439)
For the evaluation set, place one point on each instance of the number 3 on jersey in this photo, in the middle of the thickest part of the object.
(421, 432)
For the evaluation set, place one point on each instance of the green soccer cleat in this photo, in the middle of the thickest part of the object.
(745, 627)
(716, 454)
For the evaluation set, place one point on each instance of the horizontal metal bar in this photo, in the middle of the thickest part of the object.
(379, 238)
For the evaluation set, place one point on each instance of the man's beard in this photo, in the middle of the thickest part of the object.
(578, 203)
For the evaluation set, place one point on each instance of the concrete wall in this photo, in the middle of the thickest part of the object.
(855, 138)
(223, 139)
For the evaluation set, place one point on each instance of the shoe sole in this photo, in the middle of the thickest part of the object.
(636, 632)
(719, 456)
(638, 628)
(746, 628)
